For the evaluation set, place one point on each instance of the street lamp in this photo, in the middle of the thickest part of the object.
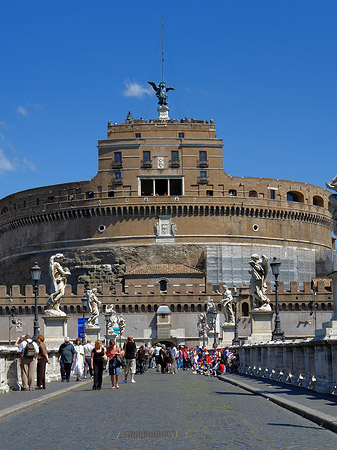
(277, 333)
(35, 273)
(313, 305)
(107, 316)
(236, 340)
(85, 307)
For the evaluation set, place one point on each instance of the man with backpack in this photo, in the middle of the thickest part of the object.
(28, 351)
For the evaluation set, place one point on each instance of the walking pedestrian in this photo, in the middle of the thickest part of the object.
(78, 366)
(130, 350)
(66, 357)
(88, 348)
(112, 351)
(42, 360)
(28, 351)
(97, 364)
(173, 352)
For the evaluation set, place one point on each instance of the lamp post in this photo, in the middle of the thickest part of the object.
(107, 316)
(236, 340)
(313, 305)
(277, 333)
(85, 307)
(214, 321)
(35, 273)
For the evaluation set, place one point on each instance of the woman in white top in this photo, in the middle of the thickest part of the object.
(78, 365)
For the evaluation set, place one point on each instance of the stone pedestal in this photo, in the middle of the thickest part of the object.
(93, 333)
(227, 334)
(329, 329)
(163, 112)
(54, 330)
(261, 326)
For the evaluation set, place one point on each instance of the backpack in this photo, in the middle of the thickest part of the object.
(29, 350)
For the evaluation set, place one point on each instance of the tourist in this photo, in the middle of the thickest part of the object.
(180, 359)
(141, 360)
(28, 351)
(151, 357)
(112, 351)
(42, 360)
(97, 364)
(174, 353)
(88, 348)
(162, 359)
(146, 357)
(66, 357)
(130, 358)
(78, 366)
(157, 356)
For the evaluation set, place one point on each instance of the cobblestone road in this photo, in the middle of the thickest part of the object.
(186, 411)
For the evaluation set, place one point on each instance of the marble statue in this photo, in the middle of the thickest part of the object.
(211, 314)
(113, 322)
(173, 229)
(94, 305)
(227, 305)
(202, 324)
(333, 202)
(58, 276)
(156, 229)
(121, 324)
(161, 91)
(258, 285)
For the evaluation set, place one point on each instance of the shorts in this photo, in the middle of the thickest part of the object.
(130, 366)
(113, 370)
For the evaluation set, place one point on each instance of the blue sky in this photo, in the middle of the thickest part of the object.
(265, 71)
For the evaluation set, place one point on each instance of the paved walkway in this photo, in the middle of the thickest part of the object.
(320, 408)
(170, 412)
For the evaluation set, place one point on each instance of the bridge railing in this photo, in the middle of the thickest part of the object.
(308, 363)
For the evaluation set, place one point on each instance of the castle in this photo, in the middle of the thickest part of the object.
(163, 223)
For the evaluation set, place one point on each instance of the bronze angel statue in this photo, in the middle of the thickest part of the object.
(161, 91)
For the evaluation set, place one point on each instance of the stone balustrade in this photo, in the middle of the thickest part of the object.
(309, 363)
(10, 373)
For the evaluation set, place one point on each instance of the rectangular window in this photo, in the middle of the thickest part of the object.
(111, 194)
(118, 157)
(118, 175)
(181, 135)
(37, 202)
(138, 135)
(203, 174)
(146, 156)
(202, 156)
(174, 155)
(89, 194)
(272, 194)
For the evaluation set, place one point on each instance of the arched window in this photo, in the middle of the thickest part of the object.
(72, 309)
(78, 309)
(318, 201)
(136, 308)
(178, 308)
(192, 308)
(155, 307)
(252, 194)
(149, 309)
(297, 307)
(199, 307)
(245, 309)
(123, 308)
(322, 305)
(185, 308)
(303, 307)
(117, 308)
(172, 308)
(20, 310)
(65, 309)
(284, 307)
(130, 308)
(142, 308)
(293, 196)
(163, 286)
(290, 307)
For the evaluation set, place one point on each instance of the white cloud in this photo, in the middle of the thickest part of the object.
(12, 161)
(22, 111)
(3, 124)
(134, 89)
(5, 164)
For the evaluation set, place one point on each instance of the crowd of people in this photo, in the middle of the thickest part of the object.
(90, 360)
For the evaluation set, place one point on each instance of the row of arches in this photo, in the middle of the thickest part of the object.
(155, 211)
